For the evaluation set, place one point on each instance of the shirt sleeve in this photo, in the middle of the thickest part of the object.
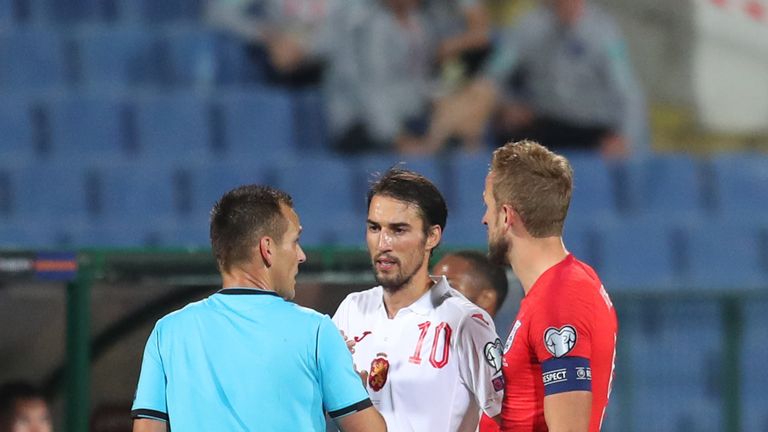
(481, 352)
(343, 391)
(150, 393)
(561, 338)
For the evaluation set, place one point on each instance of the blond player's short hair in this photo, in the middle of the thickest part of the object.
(534, 181)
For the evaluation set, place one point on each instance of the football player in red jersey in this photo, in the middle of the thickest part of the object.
(559, 356)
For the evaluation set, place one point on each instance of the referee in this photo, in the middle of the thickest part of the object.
(246, 358)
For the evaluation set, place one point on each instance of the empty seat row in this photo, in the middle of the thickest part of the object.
(66, 12)
(176, 125)
(124, 57)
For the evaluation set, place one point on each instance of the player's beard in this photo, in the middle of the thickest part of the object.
(497, 250)
(398, 281)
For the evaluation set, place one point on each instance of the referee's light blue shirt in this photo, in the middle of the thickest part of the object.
(245, 359)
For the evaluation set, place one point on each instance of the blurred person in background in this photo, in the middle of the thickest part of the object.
(561, 76)
(246, 358)
(23, 408)
(472, 274)
(559, 355)
(289, 33)
(431, 359)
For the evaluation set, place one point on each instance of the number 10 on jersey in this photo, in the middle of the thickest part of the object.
(442, 333)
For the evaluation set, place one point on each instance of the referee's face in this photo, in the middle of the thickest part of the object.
(288, 256)
(396, 241)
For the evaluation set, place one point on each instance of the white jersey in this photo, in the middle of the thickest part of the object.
(432, 367)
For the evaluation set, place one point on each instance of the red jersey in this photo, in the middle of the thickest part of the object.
(563, 339)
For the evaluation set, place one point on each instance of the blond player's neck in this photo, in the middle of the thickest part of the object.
(408, 294)
(531, 257)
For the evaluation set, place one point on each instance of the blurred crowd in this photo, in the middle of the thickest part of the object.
(422, 76)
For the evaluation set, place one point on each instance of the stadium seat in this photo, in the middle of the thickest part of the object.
(39, 61)
(190, 58)
(211, 180)
(54, 193)
(71, 12)
(466, 176)
(727, 255)
(665, 185)
(118, 58)
(741, 185)
(754, 355)
(238, 66)
(87, 127)
(583, 239)
(638, 254)
(324, 197)
(171, 11)
(312, 129)
(174, 126)
(8, 13)
(594, 193)
(16, 139)
(258, 124)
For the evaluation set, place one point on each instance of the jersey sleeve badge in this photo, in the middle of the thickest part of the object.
(560, 341)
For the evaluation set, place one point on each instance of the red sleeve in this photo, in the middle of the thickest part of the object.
(561, 323)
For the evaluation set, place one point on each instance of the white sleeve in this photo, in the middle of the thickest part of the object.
(341, 317)
(481, 352)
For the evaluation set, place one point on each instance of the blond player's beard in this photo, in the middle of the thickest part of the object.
(497, 250)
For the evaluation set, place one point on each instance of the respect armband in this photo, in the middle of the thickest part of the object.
(566, 374)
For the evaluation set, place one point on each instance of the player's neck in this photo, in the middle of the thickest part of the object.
(408, 294)
(531, 257)
(246, 278)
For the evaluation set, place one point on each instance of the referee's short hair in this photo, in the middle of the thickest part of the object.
(412, 187)
(242, 217)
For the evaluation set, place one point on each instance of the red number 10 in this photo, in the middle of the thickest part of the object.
(446, 331)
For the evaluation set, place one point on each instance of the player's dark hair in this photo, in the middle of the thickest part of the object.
(242, 217)
(494, 274)
(411, 187)
(14, 391)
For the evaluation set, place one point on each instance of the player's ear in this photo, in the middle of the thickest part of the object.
(509, 216)
(265, 250)
(434, 234)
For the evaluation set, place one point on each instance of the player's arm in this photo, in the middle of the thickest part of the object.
(480, 351)
(568, 412)
(148, 425)
(365, 420)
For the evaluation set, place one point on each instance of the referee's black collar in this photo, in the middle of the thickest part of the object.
(246, 291)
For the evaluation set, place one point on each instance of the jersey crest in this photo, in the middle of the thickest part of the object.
(377, 377)
(560, 341)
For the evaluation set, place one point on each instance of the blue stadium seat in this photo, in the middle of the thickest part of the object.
(324, 197)
(211, 180)
(54, 193)
(39, 61)
(669, 185)
(118, 58)
(140, 193)
(741, 186)
(7, 13)
(594, 194)
(311, 128)
(191, 58)
(258, 124)
(464, 196)
(171, 11)
(87, 127)
(173, 126)
(16, 139)
(638, 254)
(70, 12)
(237, 64)
(584, 239)
(754, 356)
(727, 255)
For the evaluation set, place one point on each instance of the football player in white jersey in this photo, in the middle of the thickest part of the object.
(431, 359)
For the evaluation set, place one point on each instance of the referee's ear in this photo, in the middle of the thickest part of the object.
(265, 250)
